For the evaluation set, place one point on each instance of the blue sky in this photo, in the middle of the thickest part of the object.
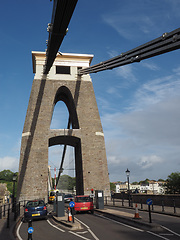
(138, 103)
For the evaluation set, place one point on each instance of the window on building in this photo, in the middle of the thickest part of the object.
(63, 70)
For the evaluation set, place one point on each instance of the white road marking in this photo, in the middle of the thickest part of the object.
(55, 226)
(157, 235)
(82, 222)
(88, 228)
(79, 235)
(82, 232)
(166, 234)
(137, 229)
(17, 232)
(170, 231)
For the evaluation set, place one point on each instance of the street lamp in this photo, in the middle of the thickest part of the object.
(127, 174)
(13, 196)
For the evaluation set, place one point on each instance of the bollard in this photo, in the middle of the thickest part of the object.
(123, 202)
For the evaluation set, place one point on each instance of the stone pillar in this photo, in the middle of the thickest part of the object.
(62, 84)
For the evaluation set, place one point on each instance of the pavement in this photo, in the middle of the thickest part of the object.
(6, 233)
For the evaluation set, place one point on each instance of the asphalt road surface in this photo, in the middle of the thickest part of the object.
(99, 227)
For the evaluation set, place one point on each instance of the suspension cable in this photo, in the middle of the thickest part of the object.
(166, 43)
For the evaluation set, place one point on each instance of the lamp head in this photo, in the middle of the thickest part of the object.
(127, 172)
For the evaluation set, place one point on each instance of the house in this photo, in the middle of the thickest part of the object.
(4, 193)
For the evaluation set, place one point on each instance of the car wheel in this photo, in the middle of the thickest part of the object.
(92, 211)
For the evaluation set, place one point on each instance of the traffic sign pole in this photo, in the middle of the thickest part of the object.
(72, 204)
(30, 230)
(149, 207)
(149, 203)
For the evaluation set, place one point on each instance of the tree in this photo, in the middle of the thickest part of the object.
(173, 183)
(67, 182)
(161, 180)
(112, 186)
(134, 183)
(6, 175)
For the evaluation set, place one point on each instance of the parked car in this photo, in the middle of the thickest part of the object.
(35, 209)
(68, 198)
(83, 203)
(52, 196)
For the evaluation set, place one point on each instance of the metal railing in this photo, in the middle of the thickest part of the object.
(110, 201)
(7, 209)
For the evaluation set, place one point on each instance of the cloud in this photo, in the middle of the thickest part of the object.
(157, 90)
(10, 163)
(149, 161)
(126, 72)
(150, 65)
(133, 20)
(146, 137)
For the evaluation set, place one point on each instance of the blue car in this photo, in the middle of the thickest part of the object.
(35, 209)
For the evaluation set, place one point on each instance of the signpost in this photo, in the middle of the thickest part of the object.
(30, 230)
(72, 204)
(149, 203)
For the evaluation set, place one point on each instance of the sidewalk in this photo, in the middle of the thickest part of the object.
(7, 233)
(154, 208)
(128, 218)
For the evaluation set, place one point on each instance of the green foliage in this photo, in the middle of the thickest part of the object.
(173, 183)
(161, 180)
(134, 183)
(112, 186)
(6, 176)
(145, 182)
(67, 182)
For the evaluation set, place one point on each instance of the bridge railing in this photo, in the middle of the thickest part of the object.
(124, 203)
(11, 211)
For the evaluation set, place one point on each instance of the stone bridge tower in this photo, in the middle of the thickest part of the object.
(85, 134)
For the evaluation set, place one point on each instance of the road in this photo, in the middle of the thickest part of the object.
(98, 227)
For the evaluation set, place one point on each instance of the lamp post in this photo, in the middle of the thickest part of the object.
(13, 196)
(127, 174)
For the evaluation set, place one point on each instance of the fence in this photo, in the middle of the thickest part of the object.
(162, 205)
(6, 209)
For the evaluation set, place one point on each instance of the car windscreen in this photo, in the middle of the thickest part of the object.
(35, 203)
(68, 196)
(52, 194)
(83, 199)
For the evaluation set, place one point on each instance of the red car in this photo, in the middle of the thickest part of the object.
(83, 203)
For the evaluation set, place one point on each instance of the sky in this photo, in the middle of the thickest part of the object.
(138, 103)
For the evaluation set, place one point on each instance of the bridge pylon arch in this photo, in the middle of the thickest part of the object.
(86, 135)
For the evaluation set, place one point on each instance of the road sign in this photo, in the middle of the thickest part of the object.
(72, 204)
(30, 230)
(149, 201)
